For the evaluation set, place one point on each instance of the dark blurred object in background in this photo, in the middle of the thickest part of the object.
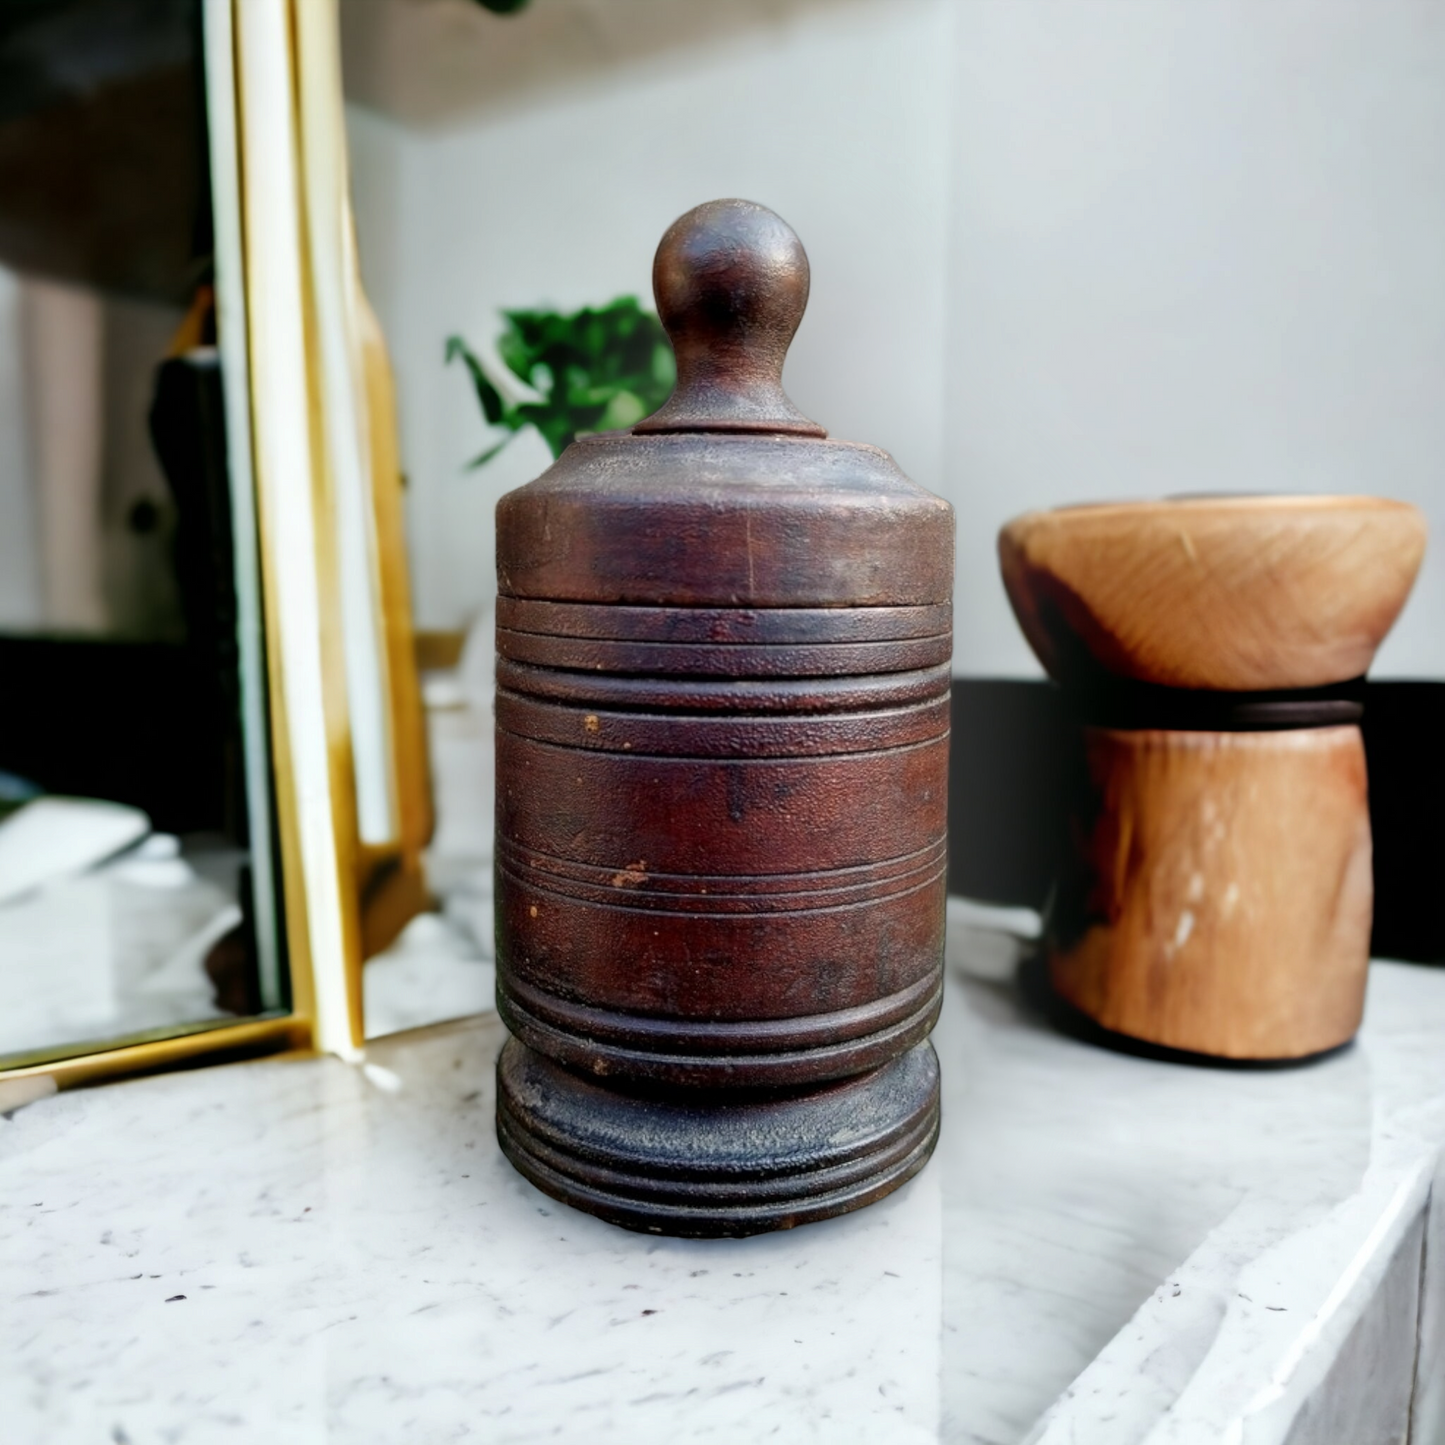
(1009, 766)
(102, 143)
(129, 721)
(1404, 727)
(188, 429)
(104, 187)
(1006, 789)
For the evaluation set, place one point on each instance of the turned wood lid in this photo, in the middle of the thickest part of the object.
(728, 496)
(1240, 593)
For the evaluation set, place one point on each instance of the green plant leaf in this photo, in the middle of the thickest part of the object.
(486, 456)
(600, 368)
(494, 408)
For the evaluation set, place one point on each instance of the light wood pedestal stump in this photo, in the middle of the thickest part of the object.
(1217, 897)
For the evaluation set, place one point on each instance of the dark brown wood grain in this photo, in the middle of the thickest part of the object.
(722, 778)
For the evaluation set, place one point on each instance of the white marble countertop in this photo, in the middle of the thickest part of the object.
(1105, 1249)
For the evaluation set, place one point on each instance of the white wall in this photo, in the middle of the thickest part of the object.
(1196, 246)
(1062, 249)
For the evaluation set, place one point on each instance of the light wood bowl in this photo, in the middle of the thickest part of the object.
(1219, 896)
(1228, 593)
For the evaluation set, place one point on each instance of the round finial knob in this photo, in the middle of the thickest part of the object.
(731, 281)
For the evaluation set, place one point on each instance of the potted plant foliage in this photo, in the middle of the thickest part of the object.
(598, 369)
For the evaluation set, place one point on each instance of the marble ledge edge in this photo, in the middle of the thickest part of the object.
(1230, 1348)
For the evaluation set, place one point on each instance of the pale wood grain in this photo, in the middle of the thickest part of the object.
(1229, 890)
(1233, 593)
(392, 879)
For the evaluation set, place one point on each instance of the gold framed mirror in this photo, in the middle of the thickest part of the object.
(213, 780)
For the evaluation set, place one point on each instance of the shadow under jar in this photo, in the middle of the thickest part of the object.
(722, 750)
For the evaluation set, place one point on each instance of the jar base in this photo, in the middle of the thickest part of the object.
(734, 1166)
(777, 1054)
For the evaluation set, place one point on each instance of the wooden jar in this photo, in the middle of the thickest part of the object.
(722, 747)
(1218, 896)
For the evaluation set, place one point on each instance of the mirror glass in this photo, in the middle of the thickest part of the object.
(137, 896)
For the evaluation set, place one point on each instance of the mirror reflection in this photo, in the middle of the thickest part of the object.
(136, 889)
